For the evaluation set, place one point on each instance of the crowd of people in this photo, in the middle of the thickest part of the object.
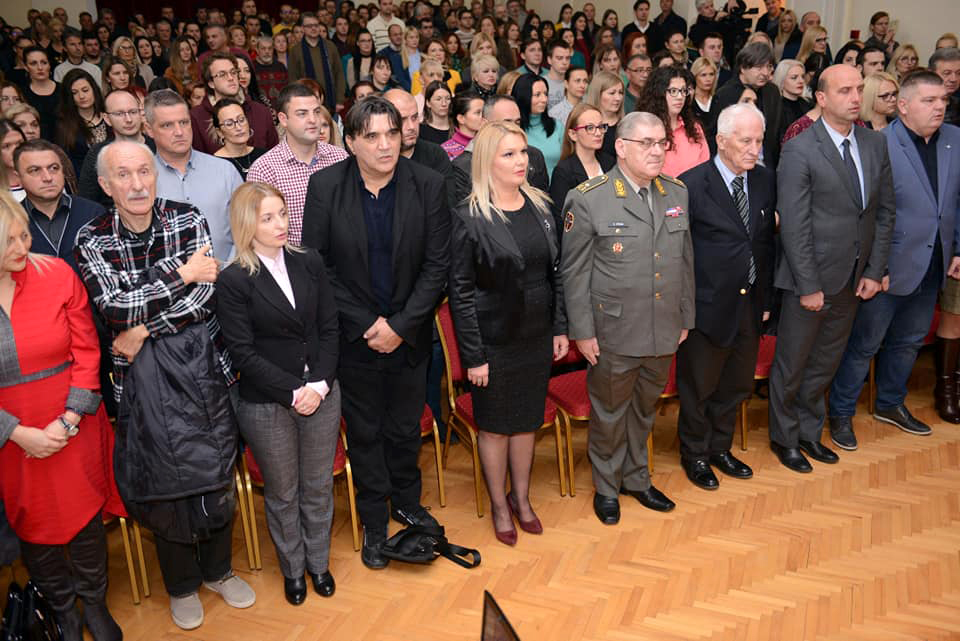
(233, 230)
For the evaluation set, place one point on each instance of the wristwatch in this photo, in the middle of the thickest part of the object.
(71, 429)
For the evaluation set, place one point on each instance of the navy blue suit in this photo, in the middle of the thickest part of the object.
(926, 236)
(82, 211)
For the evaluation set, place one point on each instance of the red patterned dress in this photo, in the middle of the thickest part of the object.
(49, 359)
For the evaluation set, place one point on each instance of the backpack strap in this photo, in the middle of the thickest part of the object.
(458, 553)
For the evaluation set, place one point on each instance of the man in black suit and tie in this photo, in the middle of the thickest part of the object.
(837, 210)
(381, 223)
(732, 203)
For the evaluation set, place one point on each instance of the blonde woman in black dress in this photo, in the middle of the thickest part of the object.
(507, 305)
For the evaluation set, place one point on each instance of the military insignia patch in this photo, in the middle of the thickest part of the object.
(673, 212)
(619, 188)
(656, 181)
(617, 248)
(568, 221)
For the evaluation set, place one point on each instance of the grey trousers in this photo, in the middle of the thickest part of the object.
(295, 454)
(809, 349)
(623, 401)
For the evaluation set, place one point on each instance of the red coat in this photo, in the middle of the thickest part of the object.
(49, 500)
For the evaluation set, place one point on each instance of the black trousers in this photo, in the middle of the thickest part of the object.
(809, 349)
(186, 566)
(712, 381)
(77, 569)
(382, 403)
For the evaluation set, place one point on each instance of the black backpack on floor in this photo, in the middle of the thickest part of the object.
(418, 544)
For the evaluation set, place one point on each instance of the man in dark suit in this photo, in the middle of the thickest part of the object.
(927, 188)
(732, 204)
(754, 68)
(499, 107)
(382, 225)
(837, 209)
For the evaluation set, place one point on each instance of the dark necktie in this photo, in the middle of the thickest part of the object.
(852, 170)
(740, 200)
(642, 192)
(330, 91)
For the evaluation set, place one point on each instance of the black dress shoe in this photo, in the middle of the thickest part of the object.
(607, 509)
(791, 457)
(902, 418)
(841, 433)
(295, 590)
(416, 515)
(652, 498)
(372, 552)
(700, 474)
(323, 584)
(731, 465)
(819, 452)
(101, 624)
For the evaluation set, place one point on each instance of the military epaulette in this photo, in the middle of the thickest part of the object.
(587, 185)
(675, 181)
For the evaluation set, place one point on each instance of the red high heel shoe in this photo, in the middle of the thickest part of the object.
(533, 527)
(507, 537)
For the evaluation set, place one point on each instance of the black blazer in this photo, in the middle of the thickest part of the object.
(333, 223)
(722, 248)
(486, 283)
(270, 341)
(569, 173)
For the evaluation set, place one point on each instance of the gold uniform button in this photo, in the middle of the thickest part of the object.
(742, 292)
(617, 231)
(656, 255)
(656, 275)
(657, 295)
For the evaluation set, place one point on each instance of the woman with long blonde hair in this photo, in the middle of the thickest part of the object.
(508, 311)
(605, 92)
(879, 104)
(815, 40)
(903, 61)
(124, 50)
(280, 326)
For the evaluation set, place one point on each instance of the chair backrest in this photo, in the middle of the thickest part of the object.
(456, 374)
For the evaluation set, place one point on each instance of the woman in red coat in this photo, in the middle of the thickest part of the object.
(55, 439)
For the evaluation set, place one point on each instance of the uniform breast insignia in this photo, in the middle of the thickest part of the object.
(619, 188)
(673, 212)
(656, 181)
(587, 185)
(617, 248)
(568, 222)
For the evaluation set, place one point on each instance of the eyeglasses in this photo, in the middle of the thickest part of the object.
(233, 73)
(890, 95)
(237, 122)
(821, 40)
(133, 113)
(676, 92)
(311, 25)
(592, 128)
(647, 143)
(639, 69)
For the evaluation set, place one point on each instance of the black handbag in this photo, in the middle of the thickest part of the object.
(28, 616)
(419, 544)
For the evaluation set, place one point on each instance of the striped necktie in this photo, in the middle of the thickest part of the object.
(740, 199)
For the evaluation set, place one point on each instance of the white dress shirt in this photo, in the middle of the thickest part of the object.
(838, 139)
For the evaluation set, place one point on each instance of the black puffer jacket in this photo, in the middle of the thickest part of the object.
(176, 437)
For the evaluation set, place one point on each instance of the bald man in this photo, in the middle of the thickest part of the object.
(837, 206)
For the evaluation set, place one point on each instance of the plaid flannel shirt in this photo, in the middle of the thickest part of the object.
(132, 282)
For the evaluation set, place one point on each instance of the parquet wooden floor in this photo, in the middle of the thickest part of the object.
(868, 549)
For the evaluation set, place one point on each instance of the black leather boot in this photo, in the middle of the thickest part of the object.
(101, 623)
(946, 352)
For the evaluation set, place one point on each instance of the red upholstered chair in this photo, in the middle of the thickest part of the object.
(428, 428)
(768, 346)
(341, 467)
(461, 406)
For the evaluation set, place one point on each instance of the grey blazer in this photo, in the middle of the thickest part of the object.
(826, 236)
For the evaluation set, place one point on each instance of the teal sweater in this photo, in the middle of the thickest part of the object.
(549, 145)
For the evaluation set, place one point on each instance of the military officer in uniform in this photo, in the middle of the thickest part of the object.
(628, 277)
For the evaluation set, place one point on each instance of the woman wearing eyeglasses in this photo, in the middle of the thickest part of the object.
(231, 126)
(879, 104)
(668, 96)
(903, 61)
(582, 139)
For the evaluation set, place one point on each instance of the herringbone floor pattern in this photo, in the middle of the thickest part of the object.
(867, 549)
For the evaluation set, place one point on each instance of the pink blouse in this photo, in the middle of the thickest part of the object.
(685, 154)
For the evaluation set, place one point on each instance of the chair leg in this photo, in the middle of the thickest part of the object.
(569, 436)
(254, 533)
(352, 498)
(439, 455)
(138, 541)
(743, 424)
(650, 452)
(125, 537)
(446, 440)
(558, 437)
(477, 472)
(244, 518)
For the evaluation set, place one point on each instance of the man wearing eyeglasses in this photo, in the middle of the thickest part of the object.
(317, 58)
(628, 279)
(126, 120)
(221, 72)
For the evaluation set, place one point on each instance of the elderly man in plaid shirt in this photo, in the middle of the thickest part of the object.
(289, 165)
(146, 267)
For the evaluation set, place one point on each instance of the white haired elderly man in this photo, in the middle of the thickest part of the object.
(146, 267)
(732, 202)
